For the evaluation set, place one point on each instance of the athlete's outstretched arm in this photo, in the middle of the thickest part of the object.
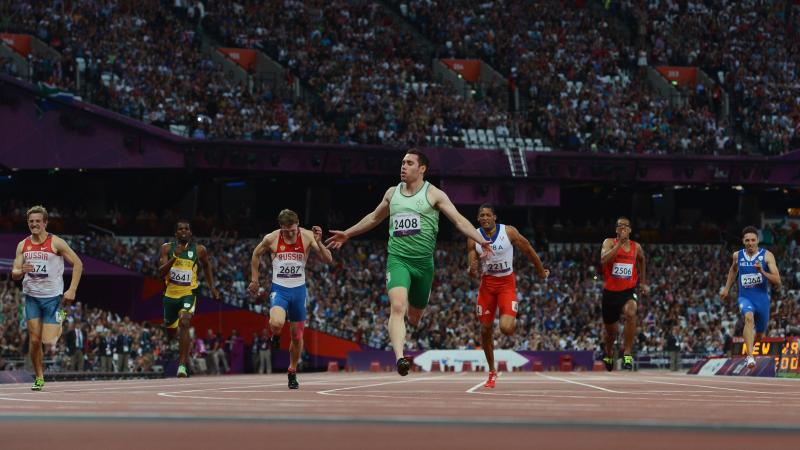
(641, 259)
(369, 222)
(64, 249)
(202, 253)
(731, 276)
(472, 259)
(318, 246)
(255, 261)
(524, 244)
(773, 275)
(441, 201)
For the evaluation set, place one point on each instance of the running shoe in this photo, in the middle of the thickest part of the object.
(751, 362)
(38, 384)
(403, 366)
(492, 378)
(627, 362)
(182, 373)
(609, 363)
(293, 384)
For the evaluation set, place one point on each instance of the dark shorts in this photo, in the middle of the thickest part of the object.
(174, 306)
(613, 302)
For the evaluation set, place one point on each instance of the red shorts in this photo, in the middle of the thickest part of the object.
(494, 293)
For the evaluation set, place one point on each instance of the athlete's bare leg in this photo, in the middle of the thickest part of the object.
(398, 297)
(414, 315)
(35, 346)
(749, 332)
(630, 326)
(183, 337)
(487, 342)
(508, 325)
(277, 317)
(612, 331)
(295, 347)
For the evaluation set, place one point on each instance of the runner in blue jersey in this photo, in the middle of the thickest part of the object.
(756, 268)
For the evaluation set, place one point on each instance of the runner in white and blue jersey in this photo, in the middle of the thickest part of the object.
(756, 268)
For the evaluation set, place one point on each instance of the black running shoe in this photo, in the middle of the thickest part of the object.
(609, 363)
(293, 384)
(275, 342)
(403, 366)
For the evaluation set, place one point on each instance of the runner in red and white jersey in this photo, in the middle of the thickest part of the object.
(39, 263)
(498, 288)
(624, 267)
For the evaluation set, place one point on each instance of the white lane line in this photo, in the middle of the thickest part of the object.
(333, 391)
(472, 389)
(40, 400)
(565, 380)
(720, 388)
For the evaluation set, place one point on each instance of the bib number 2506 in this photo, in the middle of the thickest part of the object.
(622, 270)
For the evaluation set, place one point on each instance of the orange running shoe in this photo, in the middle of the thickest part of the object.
(492, 378)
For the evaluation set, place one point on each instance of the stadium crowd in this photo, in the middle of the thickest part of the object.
(750, 47)
(581, 70)
(584, 76)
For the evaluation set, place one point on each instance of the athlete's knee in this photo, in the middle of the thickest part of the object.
(508, 328)
(275, 323)
(35, 340)
(399, 307)
(414, 316)
(185, 321)
(749, 319)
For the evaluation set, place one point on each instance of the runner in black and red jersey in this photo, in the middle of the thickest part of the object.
(624, 267)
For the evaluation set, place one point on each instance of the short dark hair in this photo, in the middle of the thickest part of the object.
(421, 157)
(180, 221)
(488, 206)
(750, 229)
(624, 218)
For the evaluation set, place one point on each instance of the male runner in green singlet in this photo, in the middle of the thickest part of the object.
(413, 209)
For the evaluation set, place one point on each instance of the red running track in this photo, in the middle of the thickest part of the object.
(385, 411)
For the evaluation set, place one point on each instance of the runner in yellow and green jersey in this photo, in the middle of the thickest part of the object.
(178, 264)
(413, 208)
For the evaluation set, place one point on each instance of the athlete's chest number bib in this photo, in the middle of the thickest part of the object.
(290, 271)
(39, 269)
(750, 280)
(181, 277)
(497, 267)
(622, 270)
(406, 224)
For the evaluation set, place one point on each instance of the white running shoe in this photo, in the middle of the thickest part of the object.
(751, 362)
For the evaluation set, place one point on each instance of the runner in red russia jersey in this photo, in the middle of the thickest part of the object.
(39, 263)
(624, 267)
(498, 288)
